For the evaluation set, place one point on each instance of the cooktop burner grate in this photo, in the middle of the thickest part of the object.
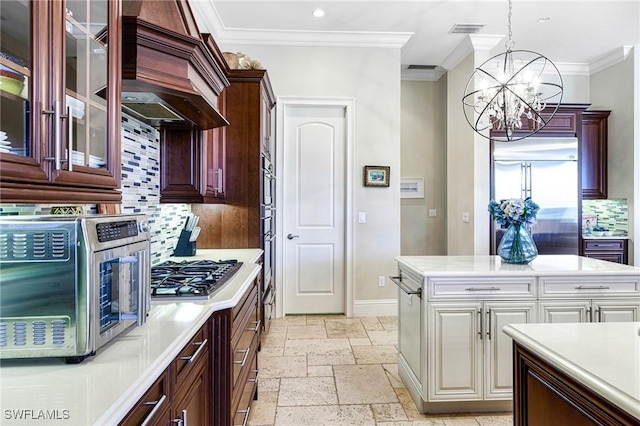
(191, 279)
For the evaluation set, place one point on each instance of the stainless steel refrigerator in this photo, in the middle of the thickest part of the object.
(545, 169)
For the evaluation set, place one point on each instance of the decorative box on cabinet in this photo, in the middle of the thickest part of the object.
(593, 155)
(64, 145)
(235, 341)
(613, 250)
(182, 391)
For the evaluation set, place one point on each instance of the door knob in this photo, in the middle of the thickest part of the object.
(291, 236)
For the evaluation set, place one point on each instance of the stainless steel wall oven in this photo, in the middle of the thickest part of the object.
(268, 231)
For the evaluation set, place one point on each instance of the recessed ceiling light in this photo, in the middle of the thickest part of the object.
(318, 13)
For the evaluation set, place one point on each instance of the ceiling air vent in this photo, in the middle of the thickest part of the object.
(466, 28)
(421, 67)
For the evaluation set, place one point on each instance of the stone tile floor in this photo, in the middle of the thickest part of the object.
(334, 370)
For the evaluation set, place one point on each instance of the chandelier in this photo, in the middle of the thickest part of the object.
(511, 87)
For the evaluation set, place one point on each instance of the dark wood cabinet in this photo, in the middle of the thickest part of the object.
(613, 250)
(235, 341)
(191, 398)
(593, 155)
(60, 142)
(544, 395)
(182, 391)
(154, 406)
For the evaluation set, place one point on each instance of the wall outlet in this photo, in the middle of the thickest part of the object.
(432, 212)
(380, 281)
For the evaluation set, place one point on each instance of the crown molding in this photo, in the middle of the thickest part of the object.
(614, 57)
(209, 21)
(469, 45)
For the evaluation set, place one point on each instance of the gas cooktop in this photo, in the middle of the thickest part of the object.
(197, 279)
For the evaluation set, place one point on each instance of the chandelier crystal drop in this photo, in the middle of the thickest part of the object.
(511, 87)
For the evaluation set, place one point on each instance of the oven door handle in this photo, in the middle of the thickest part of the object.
(126, 259)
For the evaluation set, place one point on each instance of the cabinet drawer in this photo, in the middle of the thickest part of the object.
(153, 407)
(246, 394)
(601, 245)
(481, 288)
(187, 359)
(244, 351)
(551, 287)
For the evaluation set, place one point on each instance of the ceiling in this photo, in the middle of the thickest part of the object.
(571, 32)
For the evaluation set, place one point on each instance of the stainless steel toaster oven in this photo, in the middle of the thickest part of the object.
(70, 284)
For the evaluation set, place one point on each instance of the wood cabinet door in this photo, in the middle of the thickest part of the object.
(565, 311)
(593, 154)
(454, 365)
(616, 310)
(498, 353)
(194, 405)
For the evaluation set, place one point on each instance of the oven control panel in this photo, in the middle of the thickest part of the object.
(110, 231)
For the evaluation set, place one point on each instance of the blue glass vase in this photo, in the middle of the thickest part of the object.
(517, 245)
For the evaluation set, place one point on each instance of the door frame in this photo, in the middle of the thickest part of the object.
(282, 105)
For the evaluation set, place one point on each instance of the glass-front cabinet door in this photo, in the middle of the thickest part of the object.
(15, 77)
(60, 116)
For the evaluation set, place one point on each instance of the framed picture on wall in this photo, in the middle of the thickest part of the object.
(376, 175)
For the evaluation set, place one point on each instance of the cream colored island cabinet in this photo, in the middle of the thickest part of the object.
(458, 305)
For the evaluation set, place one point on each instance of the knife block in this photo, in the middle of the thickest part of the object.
(185, 247)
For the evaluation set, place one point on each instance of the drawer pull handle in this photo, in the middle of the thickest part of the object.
(244, 358)
(201, 346)
(606, 245)
(255, 379)
(156, 407)
(182, 421)
(593, 287)
(398, 281)
(256, 328)
(483, 289)
(246, 415)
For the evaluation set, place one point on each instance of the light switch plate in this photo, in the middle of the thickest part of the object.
(362, 217)
(432, 212)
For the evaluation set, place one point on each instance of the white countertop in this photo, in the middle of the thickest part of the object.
(605, 357)
(610, 237)
(103, 388)
(493, 265)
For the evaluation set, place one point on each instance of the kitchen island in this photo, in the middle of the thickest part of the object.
(576, 373)
(458, 305)
(103, 388)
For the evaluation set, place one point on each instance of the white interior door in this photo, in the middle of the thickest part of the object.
(314, 146)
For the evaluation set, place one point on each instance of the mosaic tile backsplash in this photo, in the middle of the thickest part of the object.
(611, 214)
(140, 190)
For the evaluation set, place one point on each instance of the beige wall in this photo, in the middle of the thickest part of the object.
(423, 150)
(371, 76)
(619, 98)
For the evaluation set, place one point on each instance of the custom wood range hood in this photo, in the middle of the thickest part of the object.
(170, 78)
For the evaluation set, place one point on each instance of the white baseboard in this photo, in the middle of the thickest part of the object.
(375, 308)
